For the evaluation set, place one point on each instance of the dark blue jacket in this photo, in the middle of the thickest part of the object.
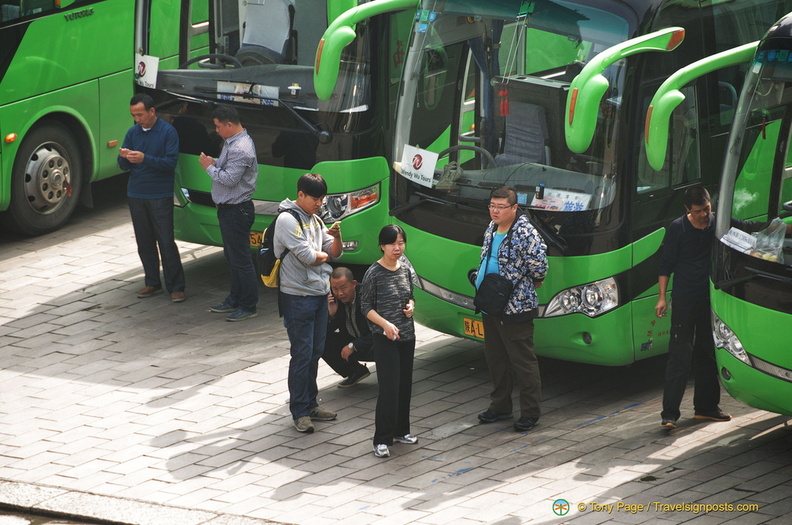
(152, 178)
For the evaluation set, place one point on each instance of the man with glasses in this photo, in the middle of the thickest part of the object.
(514, 250)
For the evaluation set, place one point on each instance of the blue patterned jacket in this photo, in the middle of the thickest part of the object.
(522, 258)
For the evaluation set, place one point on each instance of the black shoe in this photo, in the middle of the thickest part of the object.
(713, 415)
(222, 308)
(240, 315)
(668, 423)
(524, 424)
(355, 378)
(490, 416)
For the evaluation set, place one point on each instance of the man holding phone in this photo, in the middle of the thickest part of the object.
(349, 338)
(304, 276)
(150, 152)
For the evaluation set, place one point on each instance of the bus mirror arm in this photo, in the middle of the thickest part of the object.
(340, 33)
(668, 96)
(322, 135)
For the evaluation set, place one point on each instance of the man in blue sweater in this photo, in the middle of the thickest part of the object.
(150, 152)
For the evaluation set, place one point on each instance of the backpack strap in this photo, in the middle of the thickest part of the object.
(297, 217)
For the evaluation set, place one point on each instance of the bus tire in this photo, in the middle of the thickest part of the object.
(46, 181)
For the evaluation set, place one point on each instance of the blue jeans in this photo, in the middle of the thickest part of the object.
(152, 220)
(305, 319)
(235, 223)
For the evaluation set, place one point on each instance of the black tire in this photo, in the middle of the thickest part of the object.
(46, 181)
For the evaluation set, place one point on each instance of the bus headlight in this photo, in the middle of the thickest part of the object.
(590, 299)
(724, 338)
(336, 206)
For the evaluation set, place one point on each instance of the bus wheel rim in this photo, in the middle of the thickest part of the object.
(47, 179)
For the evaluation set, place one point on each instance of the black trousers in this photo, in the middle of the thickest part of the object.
(334, 343)
(394, 375)
(152, 220)
(691, 346)
(512, 361)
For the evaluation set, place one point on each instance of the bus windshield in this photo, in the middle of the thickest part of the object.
(757, 178)
(262, 53)
(486, 108)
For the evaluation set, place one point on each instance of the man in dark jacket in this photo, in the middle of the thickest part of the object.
(150, 152)
(349, 338)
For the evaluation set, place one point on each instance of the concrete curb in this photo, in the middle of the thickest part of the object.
(106, 510)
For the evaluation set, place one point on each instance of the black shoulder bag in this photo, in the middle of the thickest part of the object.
(493, 294)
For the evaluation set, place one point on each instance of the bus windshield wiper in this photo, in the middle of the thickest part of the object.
(322, 135)
(730, 283)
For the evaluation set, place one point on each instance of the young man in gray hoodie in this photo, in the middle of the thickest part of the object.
(304, 285)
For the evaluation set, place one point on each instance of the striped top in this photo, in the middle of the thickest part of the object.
(387, 293)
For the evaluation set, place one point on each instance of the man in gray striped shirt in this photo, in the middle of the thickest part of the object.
(234, 176)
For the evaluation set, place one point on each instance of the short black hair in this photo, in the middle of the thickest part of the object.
(145, 98)
(313, 185)
(390, 233)
(225, 114)
(696, 196)
(505, 192)
(342, 272)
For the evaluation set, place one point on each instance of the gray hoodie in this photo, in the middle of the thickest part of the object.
(297, 275)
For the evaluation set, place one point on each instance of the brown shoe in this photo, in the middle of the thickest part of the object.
(178, 297)
(148, 291)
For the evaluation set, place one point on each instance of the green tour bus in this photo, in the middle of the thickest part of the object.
(260, 59)
(66, 77)
(751, 288)
(484, 102)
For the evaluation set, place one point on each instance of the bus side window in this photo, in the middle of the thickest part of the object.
(683, 149)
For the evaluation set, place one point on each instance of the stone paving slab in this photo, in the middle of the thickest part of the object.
(140, 411)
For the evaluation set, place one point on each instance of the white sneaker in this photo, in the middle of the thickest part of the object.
(381, 451)
(406, 438)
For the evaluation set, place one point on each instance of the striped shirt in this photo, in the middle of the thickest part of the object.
(387, 293)
(234, 173)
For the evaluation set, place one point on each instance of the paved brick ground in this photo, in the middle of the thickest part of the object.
(141, 411)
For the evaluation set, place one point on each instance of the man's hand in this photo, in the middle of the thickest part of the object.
(661, 307)
(135, 157)
(205, 160)
(346, 352)
(335, 230)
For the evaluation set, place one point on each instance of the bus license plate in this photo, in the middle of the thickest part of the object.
(255, 239)
(473, 327)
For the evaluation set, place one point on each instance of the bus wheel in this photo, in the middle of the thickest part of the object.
(45, 183)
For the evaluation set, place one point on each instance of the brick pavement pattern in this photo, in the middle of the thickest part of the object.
(145, 412)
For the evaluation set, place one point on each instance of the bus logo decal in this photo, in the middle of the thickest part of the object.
(417, 161)
(78, 14)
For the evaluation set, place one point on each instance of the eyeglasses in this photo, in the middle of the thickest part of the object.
(499, 208)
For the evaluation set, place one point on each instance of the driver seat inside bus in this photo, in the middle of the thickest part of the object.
(9, 11)
(526, 135)
(268, 33)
